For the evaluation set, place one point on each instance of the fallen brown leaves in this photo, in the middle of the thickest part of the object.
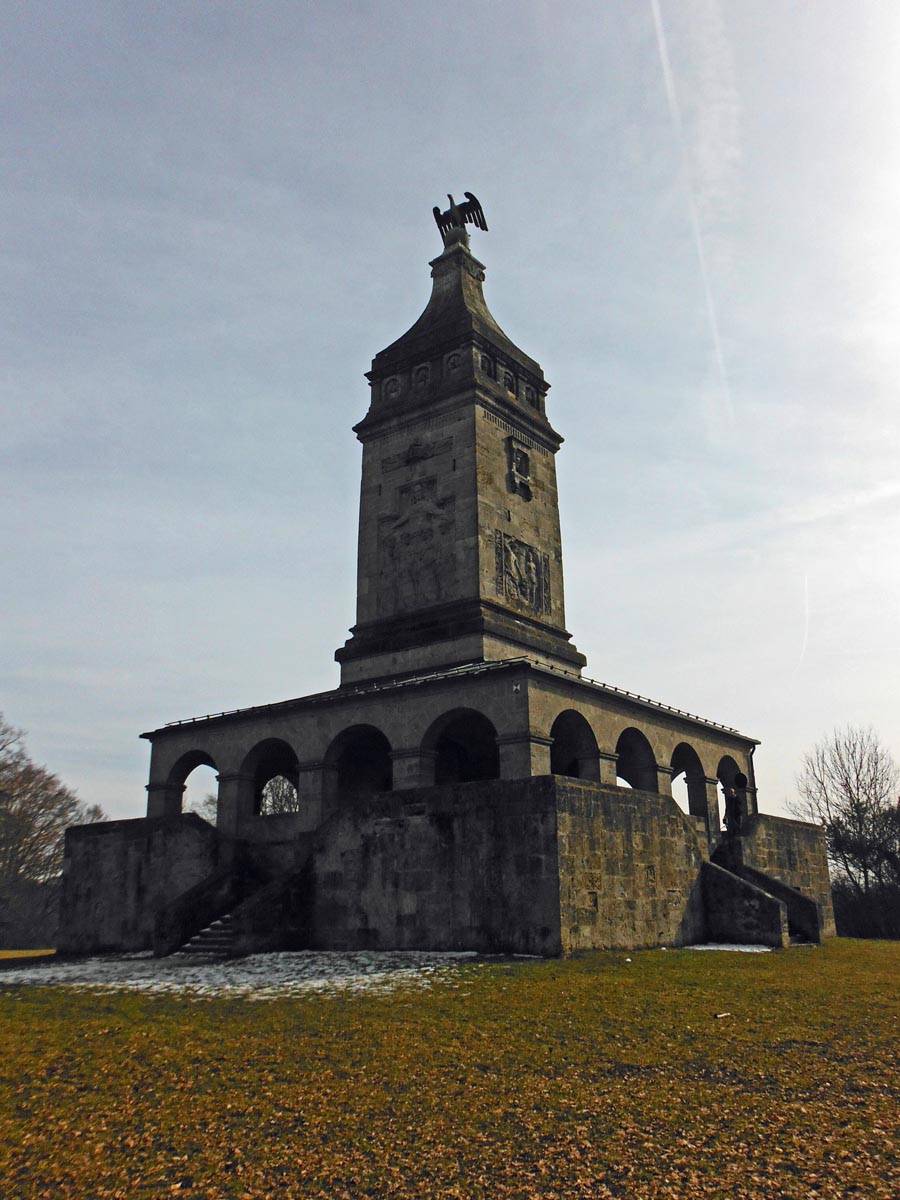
(588, 1078)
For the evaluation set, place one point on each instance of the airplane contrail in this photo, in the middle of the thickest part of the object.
(675, 114)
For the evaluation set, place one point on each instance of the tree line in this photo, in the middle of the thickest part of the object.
(849, 784)
(36, 808)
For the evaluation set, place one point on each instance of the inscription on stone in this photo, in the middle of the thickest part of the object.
(523, 573)
(417, 544)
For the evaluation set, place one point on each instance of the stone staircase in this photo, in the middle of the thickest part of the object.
(215, 941)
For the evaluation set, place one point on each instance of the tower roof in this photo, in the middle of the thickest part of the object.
(457, 312)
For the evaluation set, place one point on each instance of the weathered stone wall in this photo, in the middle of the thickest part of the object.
(539, 866)
(793, 852)
(119, 874)
(472, 866)
(738, 911)
(629, 866)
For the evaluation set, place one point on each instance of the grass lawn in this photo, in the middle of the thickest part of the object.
(592, 1077)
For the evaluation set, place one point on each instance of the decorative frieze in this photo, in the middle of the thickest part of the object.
(517, 433)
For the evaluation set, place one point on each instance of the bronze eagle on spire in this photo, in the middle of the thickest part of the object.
(458, 215)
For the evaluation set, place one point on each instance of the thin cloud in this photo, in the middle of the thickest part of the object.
(707, 157)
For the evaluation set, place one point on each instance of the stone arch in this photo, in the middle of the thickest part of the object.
(574, 751)
(269, 761)
(183, 766)
(636, 762)
(727, 771)
(358, 762)
(734, 792)
(463, 744)
(175, 795)
(686, 761)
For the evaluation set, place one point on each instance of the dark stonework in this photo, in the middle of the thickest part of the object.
(519, 465)
(523, 573)
(417, 548)
(457, 789)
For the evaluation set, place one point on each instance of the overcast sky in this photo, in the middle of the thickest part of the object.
(215, 214)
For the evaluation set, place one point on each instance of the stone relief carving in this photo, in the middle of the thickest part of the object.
(417, 451)
(421, 376)
(417, 548)
(391, 388)
(519, 477)
(523, 573)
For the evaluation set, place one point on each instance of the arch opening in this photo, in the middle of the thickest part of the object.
(689, 780)
(201, 792)
(574, 751)
(194, 781)
(732, 784)
(464, 745)
(636, 763)
(274, 773)
(360, 759)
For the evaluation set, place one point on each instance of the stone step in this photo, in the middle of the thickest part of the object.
(215, 941)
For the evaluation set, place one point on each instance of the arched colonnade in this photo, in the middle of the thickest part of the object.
(461, 745)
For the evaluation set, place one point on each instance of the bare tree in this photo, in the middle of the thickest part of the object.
(849, 784)
(36, 808)
(278, 796)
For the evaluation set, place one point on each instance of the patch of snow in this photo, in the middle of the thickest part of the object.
(257, 977)
(738, 949)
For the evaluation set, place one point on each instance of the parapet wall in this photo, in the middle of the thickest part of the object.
(119, 874)
(464, 867)
(792, 852)
(534, 866)
(544, 865)
(629, 869)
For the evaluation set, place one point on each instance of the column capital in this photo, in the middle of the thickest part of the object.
(521, 739)
(413, 752)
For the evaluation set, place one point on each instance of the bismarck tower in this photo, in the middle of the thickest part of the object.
(465, 787)
(460, 558)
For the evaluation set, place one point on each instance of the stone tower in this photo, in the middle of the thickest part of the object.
(460, 558)
(463, 787)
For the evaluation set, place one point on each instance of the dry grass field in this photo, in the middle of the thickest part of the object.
(592, 1077)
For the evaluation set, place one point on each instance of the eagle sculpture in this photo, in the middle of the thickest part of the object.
(457, 215)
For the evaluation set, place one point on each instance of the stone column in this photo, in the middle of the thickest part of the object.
(235, 802)
(164, 799)
(664, 776)
(523, 755)
(713, 817)
(311, 792)
(412, 768)
(589, 767)
(607, 765)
